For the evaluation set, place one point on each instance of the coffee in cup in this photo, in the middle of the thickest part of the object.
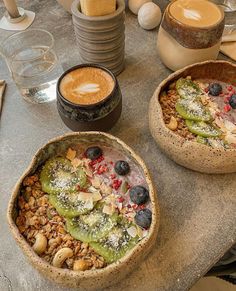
(86, 86)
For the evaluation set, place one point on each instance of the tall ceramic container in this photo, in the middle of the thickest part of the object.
(101, 39)
(180, 43)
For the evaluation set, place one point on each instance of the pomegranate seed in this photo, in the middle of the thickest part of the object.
(121, 199)
(227, 108)
(226, 99)
(135, 206)
(230, 88)
(112, 176)
(206, 90)
(101, 169)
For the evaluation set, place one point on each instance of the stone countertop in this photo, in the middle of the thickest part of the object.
(197, 210)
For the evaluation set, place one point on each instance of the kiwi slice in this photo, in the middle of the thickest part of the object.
(92, 226)
(57, 175)
(193, 110)
(187, 89)
(202, 128)
(69, 205)
(214, 142)
(116, 244)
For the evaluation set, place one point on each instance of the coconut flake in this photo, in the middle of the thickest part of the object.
(107, 209)
(105, 189)
(96, 182)
(89, 204)
(96, 196)
(76, 162)
(132, 231)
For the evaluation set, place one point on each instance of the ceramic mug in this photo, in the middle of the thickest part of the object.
(183, 41)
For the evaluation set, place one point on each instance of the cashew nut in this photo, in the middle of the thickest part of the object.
(40, 244)
(80, 265)
(61, 256)
(173, 124)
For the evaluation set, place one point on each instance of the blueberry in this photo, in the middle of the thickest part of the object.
(215, 89)
(143, 218)
(232, 101)
(139, 195)
(93, 153)
(122, 168)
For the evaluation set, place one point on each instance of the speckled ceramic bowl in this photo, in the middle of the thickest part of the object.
(91, 279)
(191, 154)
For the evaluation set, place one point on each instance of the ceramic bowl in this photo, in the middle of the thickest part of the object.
(191, 154)
(91, 279)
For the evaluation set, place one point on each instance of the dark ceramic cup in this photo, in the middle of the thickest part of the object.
(100, 116)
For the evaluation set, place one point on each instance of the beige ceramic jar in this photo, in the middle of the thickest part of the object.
(190, 32)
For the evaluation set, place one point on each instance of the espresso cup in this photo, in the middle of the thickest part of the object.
(89, 98)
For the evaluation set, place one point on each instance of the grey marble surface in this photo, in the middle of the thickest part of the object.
(197, 210)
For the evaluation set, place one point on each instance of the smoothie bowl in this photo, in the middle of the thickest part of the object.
(192, 117)
(85, 212)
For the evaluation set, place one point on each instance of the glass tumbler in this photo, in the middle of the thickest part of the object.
(33, 64)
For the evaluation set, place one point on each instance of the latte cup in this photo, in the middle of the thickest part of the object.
(190, 32)
(89, 98)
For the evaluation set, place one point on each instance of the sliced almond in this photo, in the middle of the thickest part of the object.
(204, 100)
(96, 196)
(105, 189)
(230, 138)
(71, 154)
(76, 162)
(88, 172)
(89, 204)
(96, 182)
(173, 124)
(107, 209)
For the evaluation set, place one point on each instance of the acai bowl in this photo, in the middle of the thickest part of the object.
(85, 212)
(192, 117)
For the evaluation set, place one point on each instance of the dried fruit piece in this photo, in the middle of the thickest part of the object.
(193, 110)
(116, 244)
(73, 204)
(91, 226)
(202, 128)
(57, 175)
(186, 88)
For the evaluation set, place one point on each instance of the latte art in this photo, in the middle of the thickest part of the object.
(197, 13)
(87, 88)
(86, 85)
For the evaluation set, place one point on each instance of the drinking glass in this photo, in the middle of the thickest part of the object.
(33, 64)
